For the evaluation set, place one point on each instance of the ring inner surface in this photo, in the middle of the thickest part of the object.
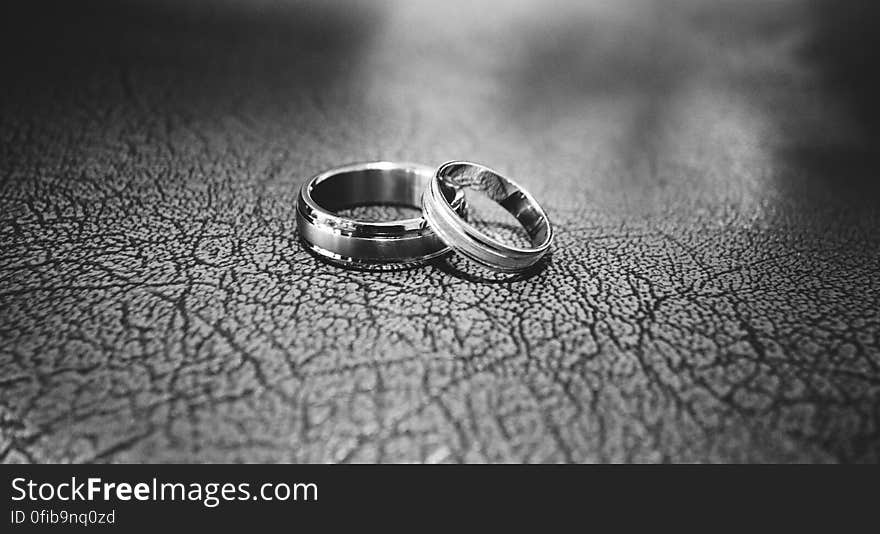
(350, 189)
(530, 218)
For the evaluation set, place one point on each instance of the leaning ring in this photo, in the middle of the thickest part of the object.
(465, 238)
(367, 244)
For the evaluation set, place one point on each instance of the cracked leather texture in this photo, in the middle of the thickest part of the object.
(712, 293)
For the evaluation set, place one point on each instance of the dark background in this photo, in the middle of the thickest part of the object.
(710, 167)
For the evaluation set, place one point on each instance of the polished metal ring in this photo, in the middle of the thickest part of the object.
(465, 238)
(366, 244)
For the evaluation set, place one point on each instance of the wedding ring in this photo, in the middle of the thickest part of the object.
(366, 244)
(456, 232)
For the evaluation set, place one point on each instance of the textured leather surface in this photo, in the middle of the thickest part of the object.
(712, 294)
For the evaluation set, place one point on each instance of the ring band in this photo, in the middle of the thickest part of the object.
(367, 244)
(475, 245)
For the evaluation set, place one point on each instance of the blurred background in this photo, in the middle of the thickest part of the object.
(710, 166)
(789, 81)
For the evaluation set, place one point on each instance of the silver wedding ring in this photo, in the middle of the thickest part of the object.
(444, 227)
(456, 232)
(367, 244)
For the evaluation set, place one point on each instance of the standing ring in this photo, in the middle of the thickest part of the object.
(456, 232)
